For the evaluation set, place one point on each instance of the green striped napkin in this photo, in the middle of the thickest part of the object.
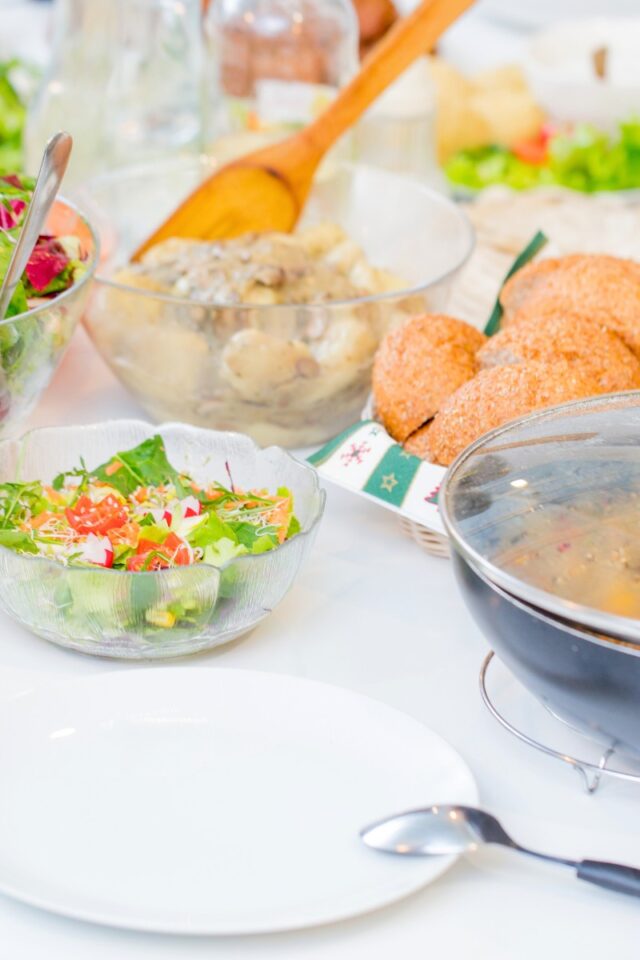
(365, 459)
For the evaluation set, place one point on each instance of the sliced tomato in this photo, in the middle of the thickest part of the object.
(173, 552)
(148, 546)
(143, 561)
(89, 517)
(127, 534)
(534, 151)
(178, 550)
(149, 556)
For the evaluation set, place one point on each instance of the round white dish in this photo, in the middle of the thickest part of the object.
(208, 801)
(560, 70)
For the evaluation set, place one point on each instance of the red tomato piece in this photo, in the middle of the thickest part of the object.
(173, 552)
(147, 546)
(178, 550)
(149, 556)
(127, 534)
(89, 517)
(144, 561)
(534, 151)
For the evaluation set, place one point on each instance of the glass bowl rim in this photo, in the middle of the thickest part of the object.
(91, 267)
(552, 604)
(103, 425)
(203, 160)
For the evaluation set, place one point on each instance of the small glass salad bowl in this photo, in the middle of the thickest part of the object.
(153, 613)
(33, 341)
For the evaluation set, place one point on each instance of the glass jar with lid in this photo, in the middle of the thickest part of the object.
(273, 65)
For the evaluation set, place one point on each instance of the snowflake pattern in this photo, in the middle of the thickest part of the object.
(355, 453)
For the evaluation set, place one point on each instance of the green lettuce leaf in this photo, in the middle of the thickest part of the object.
(18, 540)
(294, 527)
(16, 498)
(584, 158)
(144, 465)
(255, 539)
(18, 302)
(211, 531)
(219, 553)
(12, 119)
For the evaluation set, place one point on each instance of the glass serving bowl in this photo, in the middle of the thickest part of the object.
(32, 343)
(113, 613)
(310, 376)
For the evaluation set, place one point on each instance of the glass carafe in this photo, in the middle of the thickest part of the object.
(124, 80)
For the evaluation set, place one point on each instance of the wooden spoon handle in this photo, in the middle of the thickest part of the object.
(410, 37)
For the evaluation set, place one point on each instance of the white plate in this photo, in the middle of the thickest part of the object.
(195, 800)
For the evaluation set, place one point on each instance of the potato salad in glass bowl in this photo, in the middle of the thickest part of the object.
(272, 335)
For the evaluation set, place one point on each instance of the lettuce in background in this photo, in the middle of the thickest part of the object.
(584, 158)
(13, 113)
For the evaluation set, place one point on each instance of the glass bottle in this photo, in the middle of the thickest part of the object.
(272, 66)
(124, 79)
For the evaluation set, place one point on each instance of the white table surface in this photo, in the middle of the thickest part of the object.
(372, 612)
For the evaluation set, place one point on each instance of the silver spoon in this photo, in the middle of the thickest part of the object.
(52, 169)
(445, 829)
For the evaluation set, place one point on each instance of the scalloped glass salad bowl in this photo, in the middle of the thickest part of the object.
(111, 613)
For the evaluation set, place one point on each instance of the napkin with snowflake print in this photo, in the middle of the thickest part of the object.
(365, 459)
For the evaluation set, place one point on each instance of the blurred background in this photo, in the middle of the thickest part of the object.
(515, 93)
(524, 119)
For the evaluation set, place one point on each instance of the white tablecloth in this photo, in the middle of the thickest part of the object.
(372, 612)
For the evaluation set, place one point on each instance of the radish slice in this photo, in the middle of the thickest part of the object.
(98, 550)
(191, 507)
(161, 514)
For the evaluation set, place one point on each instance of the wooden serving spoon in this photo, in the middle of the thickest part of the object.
(267, 189)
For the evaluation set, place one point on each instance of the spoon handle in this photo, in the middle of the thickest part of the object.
(52, 168)
(408, 39)
(613, 876)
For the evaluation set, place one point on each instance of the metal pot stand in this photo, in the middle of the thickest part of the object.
(590, 771)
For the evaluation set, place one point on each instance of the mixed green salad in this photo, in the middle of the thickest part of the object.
(582, 158)
(31, 345)
(55, 264)
(138, 513)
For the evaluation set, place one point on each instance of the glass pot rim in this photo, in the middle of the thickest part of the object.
(547, 603)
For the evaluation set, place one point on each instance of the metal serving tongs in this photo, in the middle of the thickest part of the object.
(52, 170)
